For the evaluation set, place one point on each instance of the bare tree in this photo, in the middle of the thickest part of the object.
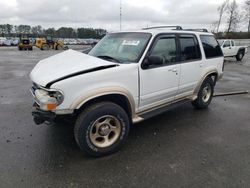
(233, 16)
(221, 10)
(247, 13)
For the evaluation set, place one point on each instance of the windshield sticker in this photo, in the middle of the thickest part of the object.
(131, 42)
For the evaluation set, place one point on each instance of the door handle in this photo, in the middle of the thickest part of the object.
(172, 70)
(201, 64)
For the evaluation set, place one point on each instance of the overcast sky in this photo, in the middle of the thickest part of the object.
(105, 13)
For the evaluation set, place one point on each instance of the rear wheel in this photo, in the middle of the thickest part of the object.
(240, 55)
(205, 94)
(101, 129)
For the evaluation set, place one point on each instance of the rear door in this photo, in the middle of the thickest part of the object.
(159, 83)
(191, 64)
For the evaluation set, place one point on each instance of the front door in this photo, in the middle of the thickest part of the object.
(159, 83)
(227, 49)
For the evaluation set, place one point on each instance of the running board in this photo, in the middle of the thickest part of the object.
(141, 117)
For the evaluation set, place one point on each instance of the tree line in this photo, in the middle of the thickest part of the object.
(233, 16)
(8, 30)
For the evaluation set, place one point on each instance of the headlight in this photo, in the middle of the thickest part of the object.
(48, 100)
(58, 95)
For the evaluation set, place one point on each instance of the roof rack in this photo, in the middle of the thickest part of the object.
(167, 26)
(201, 30)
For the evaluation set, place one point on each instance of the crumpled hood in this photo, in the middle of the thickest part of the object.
(66, 64)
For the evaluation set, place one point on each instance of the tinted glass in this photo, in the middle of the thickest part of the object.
(232, 42)
(189, 48)
(165, 48)
(125, 47)
(26, 41)
(211, 46)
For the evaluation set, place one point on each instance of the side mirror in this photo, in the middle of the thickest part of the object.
(152, 60)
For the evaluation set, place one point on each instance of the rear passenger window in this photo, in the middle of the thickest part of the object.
(211, 46)
(189, 48)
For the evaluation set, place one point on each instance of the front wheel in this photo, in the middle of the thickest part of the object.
(101, 129)
(45, 47)
(205, 94)
(59, 47)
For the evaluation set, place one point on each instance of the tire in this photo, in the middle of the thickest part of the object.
(101, 129)
(45, 47)
(240, 55)
(30, 49)
(59, 47)
(205, 94)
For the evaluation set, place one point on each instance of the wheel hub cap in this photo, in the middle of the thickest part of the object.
(105, 131)
(206, 93)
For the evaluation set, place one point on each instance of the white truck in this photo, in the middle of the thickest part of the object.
(126, 78)
(231, 50)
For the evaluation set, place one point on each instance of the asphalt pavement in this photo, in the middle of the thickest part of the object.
(183, 147)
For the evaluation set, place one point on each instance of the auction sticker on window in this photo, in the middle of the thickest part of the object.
(131, 42)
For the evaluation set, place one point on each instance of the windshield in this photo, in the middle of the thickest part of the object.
(25, 41)
(121, 47)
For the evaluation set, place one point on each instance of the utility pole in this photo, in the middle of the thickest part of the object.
(120, 15)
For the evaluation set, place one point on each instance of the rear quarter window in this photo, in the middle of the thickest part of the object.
(211, 46)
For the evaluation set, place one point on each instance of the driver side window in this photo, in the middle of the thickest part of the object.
(166, 49)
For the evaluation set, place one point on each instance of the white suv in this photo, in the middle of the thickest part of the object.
(126, 78)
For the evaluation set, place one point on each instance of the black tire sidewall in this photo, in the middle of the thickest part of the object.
(88, 118)
(238, 56)
(199, 103)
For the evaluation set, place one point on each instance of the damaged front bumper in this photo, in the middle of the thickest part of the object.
(41, 116)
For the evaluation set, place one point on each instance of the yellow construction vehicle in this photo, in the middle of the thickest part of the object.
(25, 44)
(49, 43)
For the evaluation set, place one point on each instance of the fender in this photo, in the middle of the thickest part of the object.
(85, 97)
(243, 49)
(197, 88)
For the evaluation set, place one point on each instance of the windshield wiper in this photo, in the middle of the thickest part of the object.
(106, 57)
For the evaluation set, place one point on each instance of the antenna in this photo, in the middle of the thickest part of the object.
(120, 15)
